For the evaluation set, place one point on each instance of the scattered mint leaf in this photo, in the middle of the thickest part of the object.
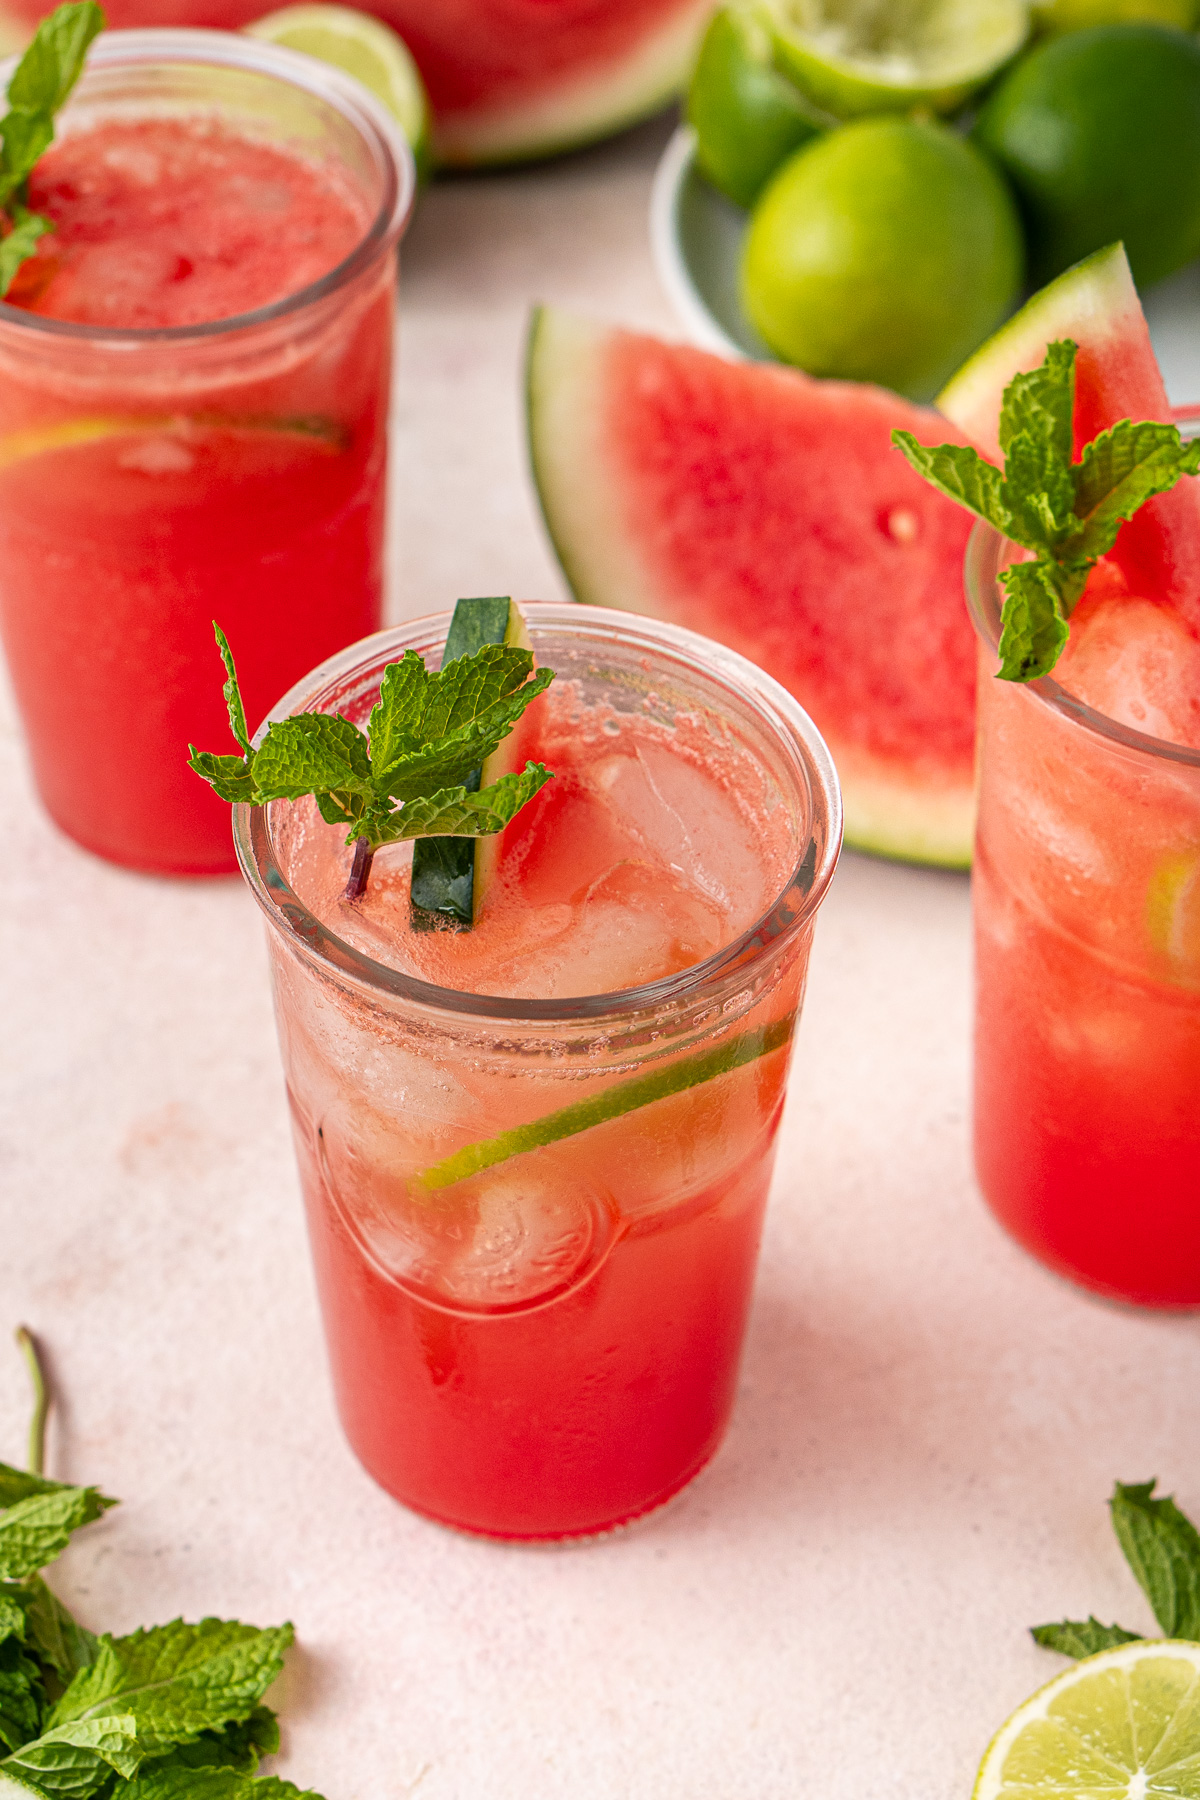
(13, 1621)
(20, 1697)
(176, 1680)
(1162, 1547)
(34, 1531)
(40, 84)
(54, 1636)
(1081, 1637)
(1067, 513)
(413, 774)
(74, 1761)
(210, 1784)
(19, 1484)
(239, 1746)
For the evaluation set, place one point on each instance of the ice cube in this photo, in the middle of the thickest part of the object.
(1136, 662)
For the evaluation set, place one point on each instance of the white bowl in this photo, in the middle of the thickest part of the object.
(696, 237)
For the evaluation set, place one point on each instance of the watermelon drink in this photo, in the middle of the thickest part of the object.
(535, 1154)
(194, 385)
(1086, 892)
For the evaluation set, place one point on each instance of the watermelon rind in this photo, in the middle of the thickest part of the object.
(1098, 293)
(581, 108)
(886, 814)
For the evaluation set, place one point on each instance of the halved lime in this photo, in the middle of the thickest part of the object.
(365, 48)
(865, 56)
(1056, 16)
(1124, 1725)
(747, 117)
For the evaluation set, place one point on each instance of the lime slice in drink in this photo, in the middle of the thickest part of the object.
(863, 56)
(69, 434)
(364, 48)
(1124, 1725)
(1173, 915)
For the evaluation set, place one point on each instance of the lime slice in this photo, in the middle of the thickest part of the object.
(1124, 1725)
(613, 1103)
(864, 56)
(1173, 916)
(37, 440)
(366, 49)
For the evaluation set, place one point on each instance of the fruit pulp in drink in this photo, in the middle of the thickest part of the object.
(1087, 920)
(548, 1346)
(146, 490)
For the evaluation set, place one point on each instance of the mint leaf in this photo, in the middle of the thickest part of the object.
(1081, 1637)
(20, 1697)
(54, 61)
(176, 1681)
(73, 1761)
(34, 1531)
(12, 1617)
(210, 1784)
(312, 753)
(434, 734)
(239, 1746)
(40, 84)
(394, 725)
(1120, 470)
(961, 474)
(1162, 1547)
(233, 693)
(54, 1636)
(1039, 493)
(1040, 404)
(1033, 628)
(231, 776)
(457, 812)
(19, 1484)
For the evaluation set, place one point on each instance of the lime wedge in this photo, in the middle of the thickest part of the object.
(1124, 1725)
(1173, 916)
(864, 56)
(623, 1097)
(366, 49)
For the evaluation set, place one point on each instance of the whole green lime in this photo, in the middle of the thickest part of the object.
(1099, 134)
(885, 251)
(1076, 15)
(747, 117)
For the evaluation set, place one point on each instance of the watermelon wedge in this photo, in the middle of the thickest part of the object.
(510, 80)
(1116, 377)
(769, 511)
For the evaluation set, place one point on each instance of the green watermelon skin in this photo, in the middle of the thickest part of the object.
(1116, 377)
(770, 511)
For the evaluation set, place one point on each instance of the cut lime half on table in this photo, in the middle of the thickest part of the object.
(1124, 1725)
(368, 50)
(863, 56)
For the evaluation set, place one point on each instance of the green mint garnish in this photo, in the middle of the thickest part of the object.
(1162, 1547)
(40, 84)
(1067, 512)
(406, 776)
(170, 1713)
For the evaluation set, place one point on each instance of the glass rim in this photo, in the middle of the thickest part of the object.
(775, 708)
(150, 45)
(986, 555)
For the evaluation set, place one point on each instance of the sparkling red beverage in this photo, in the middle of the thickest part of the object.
(194, 385)
(535, 1154)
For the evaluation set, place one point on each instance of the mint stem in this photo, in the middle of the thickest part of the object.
(364, 856)
(41, 1400)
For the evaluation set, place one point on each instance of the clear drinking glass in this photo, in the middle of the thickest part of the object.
(151, 480)
(543, 1341)
(1086, 893)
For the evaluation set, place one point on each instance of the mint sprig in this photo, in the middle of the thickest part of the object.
(164, 1713)
(1162, 1547)
(408, 775)
(40, 84)
(1068, 513)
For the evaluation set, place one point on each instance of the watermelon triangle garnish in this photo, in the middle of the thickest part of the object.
(770, 511)
(1157, 552)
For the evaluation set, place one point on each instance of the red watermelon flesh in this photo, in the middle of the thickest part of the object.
(770, 511)
(1116, 377)
(508, 79)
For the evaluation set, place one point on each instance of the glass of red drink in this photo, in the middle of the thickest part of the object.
(194, 386)
(535, 1154)
(1086, 893)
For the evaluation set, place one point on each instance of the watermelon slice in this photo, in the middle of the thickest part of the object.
(1116, 377)
(769, 511)
(511, 80)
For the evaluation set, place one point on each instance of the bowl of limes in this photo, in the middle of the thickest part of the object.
(867, 188)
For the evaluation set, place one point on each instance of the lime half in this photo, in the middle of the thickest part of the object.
(365, 48)
(864, 56)
(1124, 1725)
